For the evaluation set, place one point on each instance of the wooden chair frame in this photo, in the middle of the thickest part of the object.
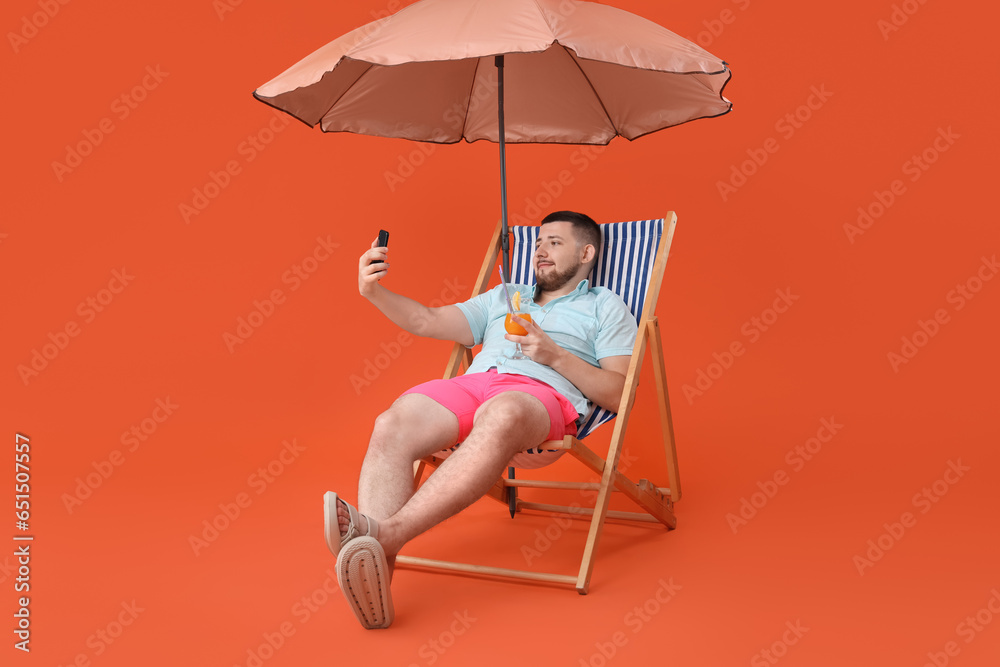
(656, 502)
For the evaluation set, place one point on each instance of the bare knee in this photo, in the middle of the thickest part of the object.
(515, 414)
(408, 428)
(387, 431)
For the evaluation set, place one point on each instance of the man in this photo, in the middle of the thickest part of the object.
(578, 345)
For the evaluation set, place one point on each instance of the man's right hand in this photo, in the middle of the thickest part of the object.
(443, 323)
(370, 274)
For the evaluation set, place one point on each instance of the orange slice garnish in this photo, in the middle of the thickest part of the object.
(516, 301)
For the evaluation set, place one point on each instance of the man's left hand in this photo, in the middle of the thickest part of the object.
(537, 344)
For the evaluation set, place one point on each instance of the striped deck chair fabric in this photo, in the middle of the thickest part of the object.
(628, 265)
(628, 251)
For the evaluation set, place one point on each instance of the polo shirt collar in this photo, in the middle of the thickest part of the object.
(582, 287)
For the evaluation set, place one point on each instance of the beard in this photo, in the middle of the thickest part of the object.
(553, 280)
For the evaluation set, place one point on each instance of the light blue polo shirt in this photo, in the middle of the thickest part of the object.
(590, 322)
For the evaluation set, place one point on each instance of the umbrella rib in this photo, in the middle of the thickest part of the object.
(465, 116)
(572, 56)
(274, 105)
(348, 88)
(704, 83)
(721, 113)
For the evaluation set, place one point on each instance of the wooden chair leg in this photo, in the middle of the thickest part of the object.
(666, 420)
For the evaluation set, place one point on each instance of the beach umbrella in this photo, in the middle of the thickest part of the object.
(507, 71)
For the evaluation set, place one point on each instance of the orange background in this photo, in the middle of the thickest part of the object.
(161, 337)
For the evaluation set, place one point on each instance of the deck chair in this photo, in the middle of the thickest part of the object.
(633, 257)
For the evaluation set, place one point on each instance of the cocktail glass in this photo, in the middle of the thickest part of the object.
(516, 329)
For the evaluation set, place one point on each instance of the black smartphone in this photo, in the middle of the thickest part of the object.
(383, 240)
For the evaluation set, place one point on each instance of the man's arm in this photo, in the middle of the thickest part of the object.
(444, 323)
(602, 386)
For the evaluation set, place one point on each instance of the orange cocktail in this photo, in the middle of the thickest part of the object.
(513, 327)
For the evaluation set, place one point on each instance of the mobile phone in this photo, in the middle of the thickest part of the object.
(383, 240)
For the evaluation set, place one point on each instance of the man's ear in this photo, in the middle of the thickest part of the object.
(588, 253)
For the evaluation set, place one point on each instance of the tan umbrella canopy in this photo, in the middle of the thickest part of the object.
(576, 72)
(562, 71)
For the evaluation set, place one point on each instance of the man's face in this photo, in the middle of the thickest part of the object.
(558, 255)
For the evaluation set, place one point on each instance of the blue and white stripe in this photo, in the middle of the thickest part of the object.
(628, 251)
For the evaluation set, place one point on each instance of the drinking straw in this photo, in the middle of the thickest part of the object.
(506, 293)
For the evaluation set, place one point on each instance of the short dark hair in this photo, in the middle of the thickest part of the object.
(584, 227)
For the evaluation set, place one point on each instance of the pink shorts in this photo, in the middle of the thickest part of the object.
(464, 394)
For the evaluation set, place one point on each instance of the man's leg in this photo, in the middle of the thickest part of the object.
(414, 426)
(503, 425)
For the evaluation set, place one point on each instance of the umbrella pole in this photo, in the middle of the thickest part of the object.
(504, 235)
